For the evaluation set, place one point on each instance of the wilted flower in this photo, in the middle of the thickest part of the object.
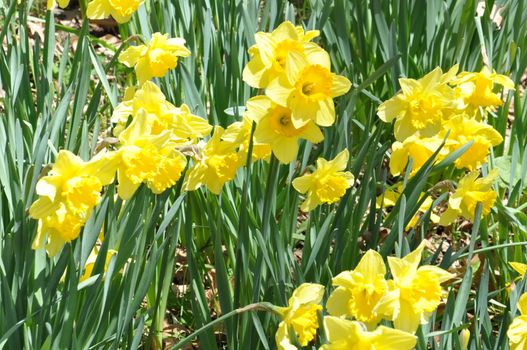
(156, 58)
(275, 127)
(327, 184)
(120, 10)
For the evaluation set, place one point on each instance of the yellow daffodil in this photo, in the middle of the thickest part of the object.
(240, 133)
(476, 89)
(358, 291)
(217, 163)
(300, 316)
(517, 332)
(463, 130)
(392, 196)
(147, 158)
(120, 10)
(351, 335)
(415, 292)
(307, 88)
(156, 58)
(185, 127)
(67, 197)
(51, 4)
(469, 192)
(327, 184)
(275, 127)
(90, 263)
(417, 147)
(268, 55)
(519, 267)
(421, 105)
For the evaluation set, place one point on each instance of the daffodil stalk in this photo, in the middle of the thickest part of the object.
(263, 306)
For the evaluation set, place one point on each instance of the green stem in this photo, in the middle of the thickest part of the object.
(486, 249)
(264, 306)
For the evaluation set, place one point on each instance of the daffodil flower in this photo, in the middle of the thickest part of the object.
(517, 332)
(470, 191)
(90, 262)
(358, 291)
(300, 316)
(156, 58)
(268, 55)
(275, 127)
(343, 334)
(414, 293)
(51, 4)
(327, 184)
(120, 10)
(240, 133)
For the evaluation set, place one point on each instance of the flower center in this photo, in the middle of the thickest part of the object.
(81, 194)
(315, 82)
(280, 122)
(284, 48)
(331, 188)
(224, 166)
(305, 323)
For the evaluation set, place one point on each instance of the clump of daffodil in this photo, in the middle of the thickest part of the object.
(268, 55)
(327, 184)
(92, 258)
(421, 106)
(67, 196)
(308, 87)
(275, 127)
(358, 291)
(51, 4)
(476, 89)
(216, 164)
(120, 10)
(470, 191)
(351, 335)
(462, 130)
(300, 316)
(240, 133)
(417, 147)
(517, 332)
(147, 158)
(390, 198)
(156, 58)
(414, 293)
(184, 126)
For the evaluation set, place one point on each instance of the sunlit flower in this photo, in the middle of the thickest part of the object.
(300, 316)
(268, 55)
(351, 335)
(517, 332)
(470, 191)
(147, 158)
(156, 58)
(67, 196)
(240, 133)
(217, 163)
(308, 87)
(62, 3)
(90, 263)
(162, 115)
(415, 292)
(476, 89)
(360, 290)
(417, 147)
(420, 106)
(327, 184)
(275, 127)
(519, 267)
(120, 10)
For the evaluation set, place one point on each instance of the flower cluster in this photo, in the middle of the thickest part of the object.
(362, 298)
(440, 113)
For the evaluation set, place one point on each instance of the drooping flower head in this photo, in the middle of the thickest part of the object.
(147, 158)
(470, 191)
(275, 127)
(358, 291)
(67, 196)
(300, 316)
(156, 58)
(307, 88)
(415, 292)
(517, 332)
(268, 55)
(216, 164)
(421, 105)
(343, 334)
(120, 10)
(327, 184)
